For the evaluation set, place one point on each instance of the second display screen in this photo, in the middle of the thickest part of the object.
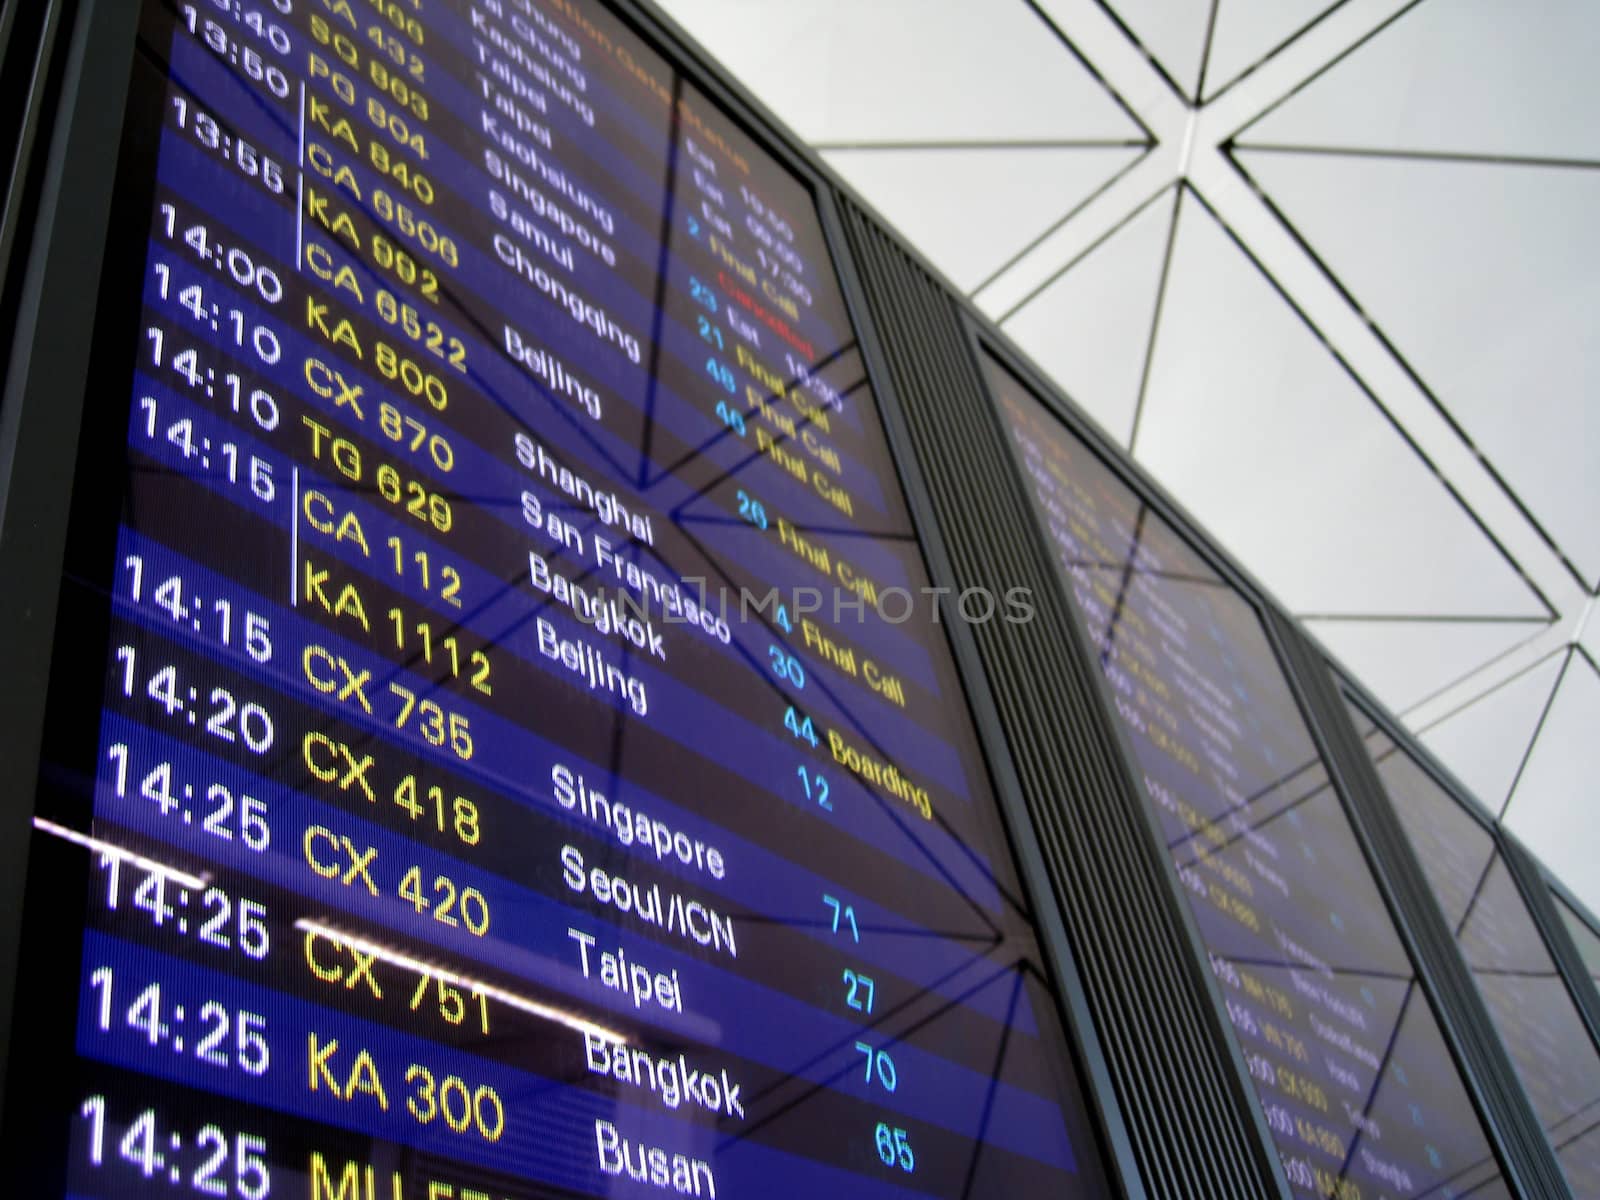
(1359, 1090)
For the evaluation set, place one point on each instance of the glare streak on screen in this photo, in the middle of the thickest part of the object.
(1356, 1084)
(514, 768)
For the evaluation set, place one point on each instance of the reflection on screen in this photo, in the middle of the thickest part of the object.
(1583, 936)
(519, 771)
(1357, 1085)
(1534, 1013)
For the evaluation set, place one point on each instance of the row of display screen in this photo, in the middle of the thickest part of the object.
(487, 752)
(1316, 981)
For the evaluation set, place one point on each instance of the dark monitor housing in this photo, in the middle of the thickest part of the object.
(1581, 926)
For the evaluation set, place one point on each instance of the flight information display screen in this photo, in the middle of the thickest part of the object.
(1359, 1090)
(498, 707)
(1535, 1015)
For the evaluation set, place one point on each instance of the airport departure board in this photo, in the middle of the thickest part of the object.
(1538, 1022)
(502, 742)
(1359, 1090)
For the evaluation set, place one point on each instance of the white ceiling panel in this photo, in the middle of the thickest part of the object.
(1249, 30)
(1485, 279)
(1405, 662)
(1255, 427)
(971, 210)
(1090, 329)
(1458, 76)
(907, 70)
(1553, 807)
(1173, 32)
(1484, 743)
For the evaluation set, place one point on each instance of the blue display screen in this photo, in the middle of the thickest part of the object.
(1358, 1088)
(1527, 999)
(498, 702)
